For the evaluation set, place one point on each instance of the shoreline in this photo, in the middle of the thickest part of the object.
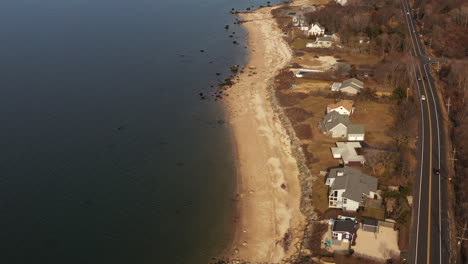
(268, 221)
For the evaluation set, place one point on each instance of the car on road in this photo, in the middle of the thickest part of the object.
(419, 78)
(423, 97)
(425, 77)
(407, 13)
(436, 171)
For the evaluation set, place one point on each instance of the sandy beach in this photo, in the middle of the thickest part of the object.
(268, 185)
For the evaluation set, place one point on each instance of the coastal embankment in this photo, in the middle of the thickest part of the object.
(269, 221)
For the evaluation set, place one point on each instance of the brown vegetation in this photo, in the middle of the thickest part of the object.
(365, 26)
(444, 26)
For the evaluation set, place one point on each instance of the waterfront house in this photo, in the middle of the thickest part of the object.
(315, 30)
(343, 107)
(344, 229)
(351, 86)
(321, 42)
(335, 125)
(346, 151)
(348, 187)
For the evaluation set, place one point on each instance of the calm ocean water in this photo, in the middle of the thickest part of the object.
(107, 154)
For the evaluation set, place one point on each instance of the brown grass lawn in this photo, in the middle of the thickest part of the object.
(358, 59)
(307, 85)
(377, 119)
(300, 43)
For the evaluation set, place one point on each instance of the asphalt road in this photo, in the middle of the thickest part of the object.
(429, 237)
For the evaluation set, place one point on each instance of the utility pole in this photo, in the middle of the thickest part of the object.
(448, 109)
(453, 159)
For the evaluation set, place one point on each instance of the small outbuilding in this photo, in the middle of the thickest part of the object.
(369, 225)
(343, 230)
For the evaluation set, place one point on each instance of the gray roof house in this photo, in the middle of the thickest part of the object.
(337, 125)
(348, 187)
(351, 86)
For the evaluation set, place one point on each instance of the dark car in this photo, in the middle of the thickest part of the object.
(436, 171)
(425, 77)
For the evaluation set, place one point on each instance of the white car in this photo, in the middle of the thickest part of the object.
(423, 97)
(407, 13)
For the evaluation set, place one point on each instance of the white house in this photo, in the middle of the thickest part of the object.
(351, 86)
(343, 107)
(348, 187)
(346, 151)
(321, 42)
(315, 30)
(341, 2)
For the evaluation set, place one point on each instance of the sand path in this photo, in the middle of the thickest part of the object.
(269, 187)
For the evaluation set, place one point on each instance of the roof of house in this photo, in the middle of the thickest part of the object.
(354, 83)
(336, 85)
(324, 39)
(356, 129)
(344, 226)
(346, 104)
(369, 221)
(347, 151)
(333, 119)
(353, 181)
(318, 25)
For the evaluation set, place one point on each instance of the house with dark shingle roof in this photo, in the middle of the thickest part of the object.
(337, 125)
(334, 124)
(348, 187)
(344, 229)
